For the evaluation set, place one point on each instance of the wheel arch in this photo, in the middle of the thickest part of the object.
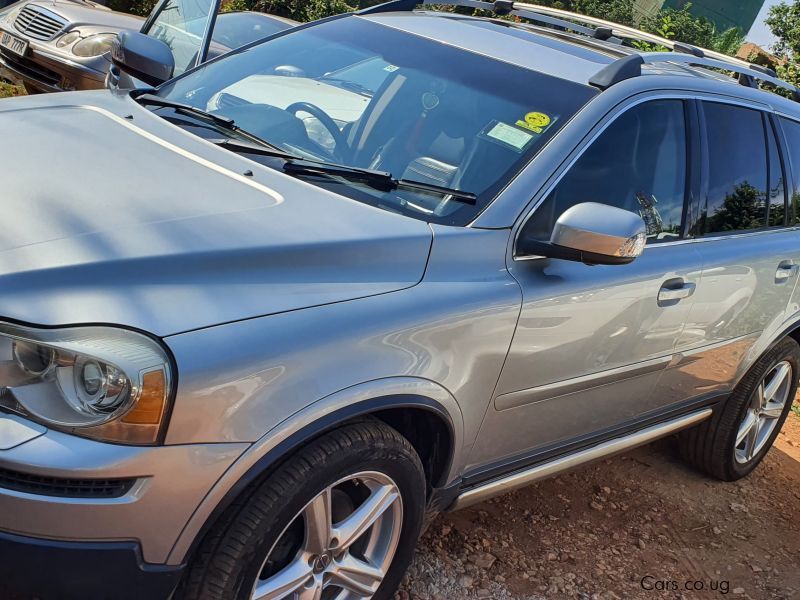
(425, 416)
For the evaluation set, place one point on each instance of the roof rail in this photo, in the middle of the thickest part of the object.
(624, 68)
(631, 66)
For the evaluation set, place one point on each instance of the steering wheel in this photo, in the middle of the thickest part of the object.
(340, 143)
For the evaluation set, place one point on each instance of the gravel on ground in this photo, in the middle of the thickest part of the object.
(639, 526)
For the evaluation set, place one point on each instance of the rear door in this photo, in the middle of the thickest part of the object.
(750, 255)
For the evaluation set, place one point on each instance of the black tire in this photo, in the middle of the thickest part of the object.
(228, 561)
(711, 445)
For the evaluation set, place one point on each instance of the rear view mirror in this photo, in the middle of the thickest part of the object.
(143, 57)
(592, 233)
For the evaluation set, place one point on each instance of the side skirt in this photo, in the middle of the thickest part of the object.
(567, 462)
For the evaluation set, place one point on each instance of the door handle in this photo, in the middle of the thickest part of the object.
(785, 271)
(676, 292)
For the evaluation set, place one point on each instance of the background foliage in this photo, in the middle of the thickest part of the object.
(784, 21)
(671, 23)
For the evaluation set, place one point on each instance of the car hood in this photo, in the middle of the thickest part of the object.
(115, 216)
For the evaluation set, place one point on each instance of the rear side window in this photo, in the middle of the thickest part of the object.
(737, 170)
(638, 164)
(792, 131)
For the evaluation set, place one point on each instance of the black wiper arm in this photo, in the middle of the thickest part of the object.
(461, 196)
(382, 180)
(153, 100)
(261, 148)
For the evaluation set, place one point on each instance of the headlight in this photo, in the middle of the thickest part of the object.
(68, 38)
(100, 382)
(94, 45)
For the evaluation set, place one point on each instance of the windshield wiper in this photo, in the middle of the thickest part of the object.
(180, 107)
(381, 180)
(260, 148)
(298, 165)
(252, 144)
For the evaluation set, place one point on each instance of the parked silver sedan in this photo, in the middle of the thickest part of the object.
(54, 46)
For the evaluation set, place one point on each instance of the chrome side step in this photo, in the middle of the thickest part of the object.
(571, 461)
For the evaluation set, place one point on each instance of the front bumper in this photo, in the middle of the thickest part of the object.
(47, 71)
(61, 487)
(55, 570)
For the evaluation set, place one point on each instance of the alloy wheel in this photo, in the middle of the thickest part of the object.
(764, 412)
(339, 547)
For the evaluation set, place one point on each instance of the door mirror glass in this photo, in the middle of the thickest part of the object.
(142, 57)
(592, 233)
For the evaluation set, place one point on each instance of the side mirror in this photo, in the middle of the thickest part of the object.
(591, 233)
(145, 58)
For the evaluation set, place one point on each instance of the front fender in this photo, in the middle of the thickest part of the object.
(321, 416)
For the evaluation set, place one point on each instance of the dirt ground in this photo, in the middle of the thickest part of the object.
(639, 526)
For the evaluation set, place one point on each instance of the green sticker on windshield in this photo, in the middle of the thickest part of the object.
(508, 135)
(391, 68)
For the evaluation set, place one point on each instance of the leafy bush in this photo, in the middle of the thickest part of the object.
(7, 90)
(674, 24)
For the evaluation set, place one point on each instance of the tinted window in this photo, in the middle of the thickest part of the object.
(737, 170)
(777, 185)
(792, 131)
(638, 164)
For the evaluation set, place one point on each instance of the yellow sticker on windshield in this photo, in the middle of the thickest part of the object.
(536, 122)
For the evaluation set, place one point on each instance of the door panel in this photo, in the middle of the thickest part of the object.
(589, 348)
(739, 297)
(750, 270)
(592, 341)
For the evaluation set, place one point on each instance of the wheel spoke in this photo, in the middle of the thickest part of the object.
(773, 411)
(353, 527)
(752, 439)
(356, 576)
(750, 422)
(759, 398)
(782, 372)
(285, 583)
(311, 593)
(318, 523)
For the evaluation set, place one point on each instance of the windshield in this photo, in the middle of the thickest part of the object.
(357, 93)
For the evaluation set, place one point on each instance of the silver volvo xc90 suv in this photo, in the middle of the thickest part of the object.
(379, 266)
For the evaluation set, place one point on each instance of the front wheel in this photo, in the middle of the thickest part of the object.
(337, 521)
(737, 438)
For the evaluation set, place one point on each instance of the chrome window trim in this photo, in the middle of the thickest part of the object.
(610, 118)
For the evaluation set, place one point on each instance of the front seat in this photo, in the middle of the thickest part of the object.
(437, 143)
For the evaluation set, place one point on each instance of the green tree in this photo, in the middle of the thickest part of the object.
(784, 21)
